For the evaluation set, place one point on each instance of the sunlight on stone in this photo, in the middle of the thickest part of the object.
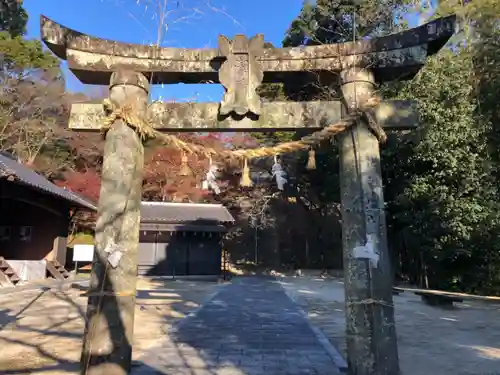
(385, 111)
(177, 314)
(306, 291)
(230, 369)
(161, 294)
(164, 300)
(487, 351)
(450, 319)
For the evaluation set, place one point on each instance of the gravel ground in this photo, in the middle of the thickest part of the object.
(463, 340)
(41, 332)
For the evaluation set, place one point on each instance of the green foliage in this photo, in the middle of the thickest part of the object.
(21, 54)
(441, 180)
(81, 239)
(13, 17)
(18, 53)
(439, 186)
(337, 21)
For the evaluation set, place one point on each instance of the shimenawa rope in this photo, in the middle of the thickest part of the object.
(146, 130)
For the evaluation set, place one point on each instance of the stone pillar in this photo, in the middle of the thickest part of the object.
(107, 348)
(370, 328)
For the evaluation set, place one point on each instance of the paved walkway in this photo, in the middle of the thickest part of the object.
(250, 327)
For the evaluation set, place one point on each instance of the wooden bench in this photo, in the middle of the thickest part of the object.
(443, 298)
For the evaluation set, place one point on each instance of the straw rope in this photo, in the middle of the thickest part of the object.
(146, 130)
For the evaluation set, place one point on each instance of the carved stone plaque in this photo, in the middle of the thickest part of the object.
(241, 74)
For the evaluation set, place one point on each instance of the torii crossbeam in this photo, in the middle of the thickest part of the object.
(397, 56)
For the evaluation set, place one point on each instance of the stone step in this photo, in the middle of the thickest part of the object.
(8, 276)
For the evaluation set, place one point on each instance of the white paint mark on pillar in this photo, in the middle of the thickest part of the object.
(115, 254)
(114, 258)
(368, 251)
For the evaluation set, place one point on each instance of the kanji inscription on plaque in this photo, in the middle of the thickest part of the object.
(241, 74)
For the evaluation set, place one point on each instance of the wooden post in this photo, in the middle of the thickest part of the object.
(370, 328)
(107, 347)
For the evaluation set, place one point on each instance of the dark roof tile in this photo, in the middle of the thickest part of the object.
(10, 167)
(184, 212)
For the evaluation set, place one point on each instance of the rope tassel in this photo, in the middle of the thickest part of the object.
(185, 170)
(311, 161)
(245, 176)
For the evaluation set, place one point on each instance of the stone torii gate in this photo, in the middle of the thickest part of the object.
(241, 65)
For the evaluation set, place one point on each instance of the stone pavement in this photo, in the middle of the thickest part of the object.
(43, 285)
(250, 327)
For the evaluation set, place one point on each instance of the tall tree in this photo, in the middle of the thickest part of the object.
(337, 21)
(441, 188)
(13, 17)
(32, 99)
(440, 181)
(16, 51)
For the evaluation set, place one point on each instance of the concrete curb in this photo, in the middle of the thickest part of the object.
(336, 357)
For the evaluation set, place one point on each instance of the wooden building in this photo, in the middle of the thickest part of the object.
(182, 239)
(34, 214)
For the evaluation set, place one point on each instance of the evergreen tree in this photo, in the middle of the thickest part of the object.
(13, 17)
(17, 53)
(441, 179)
(338, 21)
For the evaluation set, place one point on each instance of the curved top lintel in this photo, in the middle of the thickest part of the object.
(93, 59)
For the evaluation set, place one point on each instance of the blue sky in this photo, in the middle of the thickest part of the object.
(195, 24)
